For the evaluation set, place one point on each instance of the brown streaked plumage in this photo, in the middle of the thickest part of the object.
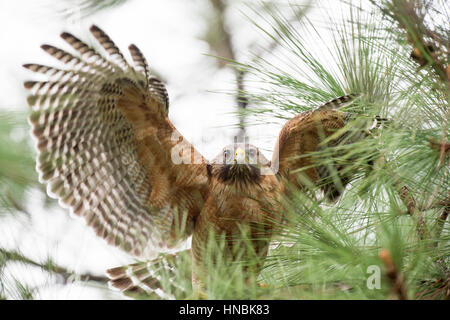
(244, 202)
(108, 151)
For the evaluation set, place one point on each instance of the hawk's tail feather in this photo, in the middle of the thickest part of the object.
(137, 279)
(125, 284)
(159, 278)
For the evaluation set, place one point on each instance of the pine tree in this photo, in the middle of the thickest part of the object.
(388, 235)
(392, 217)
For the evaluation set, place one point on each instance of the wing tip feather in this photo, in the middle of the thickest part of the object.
(117, 272)
(28, 66)
(94, 28)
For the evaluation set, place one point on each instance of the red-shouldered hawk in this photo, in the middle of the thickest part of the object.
(108, 151)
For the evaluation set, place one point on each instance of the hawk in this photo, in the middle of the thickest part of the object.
(108, 151)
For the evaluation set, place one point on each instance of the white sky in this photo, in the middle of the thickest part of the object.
(167, 33)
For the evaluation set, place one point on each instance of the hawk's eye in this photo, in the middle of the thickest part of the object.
(227, 154)
(252, 153)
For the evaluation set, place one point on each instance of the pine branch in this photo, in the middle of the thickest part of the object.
(220, 6)
(442, 147)
(7, 255)
(410, 203)
(242, 101)
(397, 279)
(429, 48)
(228, 52)
(410, 16)
(16, 205)
(89, 7)
(443, 217)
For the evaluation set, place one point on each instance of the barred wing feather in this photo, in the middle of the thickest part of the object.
(304, 134)
(105, 144)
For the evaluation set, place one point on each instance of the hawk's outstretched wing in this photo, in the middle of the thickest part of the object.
(305, 134)
(108, 151)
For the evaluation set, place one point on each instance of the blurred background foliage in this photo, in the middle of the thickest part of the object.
(393, 215)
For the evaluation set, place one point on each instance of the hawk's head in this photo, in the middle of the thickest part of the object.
(238, 162)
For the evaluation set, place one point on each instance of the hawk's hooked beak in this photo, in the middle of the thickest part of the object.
(239, 157)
